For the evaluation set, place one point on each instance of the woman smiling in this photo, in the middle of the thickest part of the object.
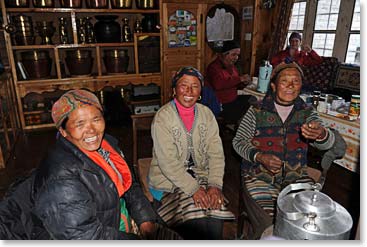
(188, 162)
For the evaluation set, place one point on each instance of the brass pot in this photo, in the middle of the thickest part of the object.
(116, 60)
(37, 64)
(96, 4)
(35, 55)
(43, 3)
(121, 4)
(79, 62)
(21, 30)
(71, 3)
(17, 3)
(145, 4)
(79, 54)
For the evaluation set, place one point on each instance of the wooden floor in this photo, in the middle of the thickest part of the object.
(341, 185)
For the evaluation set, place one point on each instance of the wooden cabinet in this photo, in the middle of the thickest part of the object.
(183, 39)
(43, 87)
(9, 122)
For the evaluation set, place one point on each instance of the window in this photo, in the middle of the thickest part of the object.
(353, 52)
(297, 19)
(325, 23)
(325, 26)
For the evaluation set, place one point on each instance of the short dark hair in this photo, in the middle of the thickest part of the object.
(295, 35)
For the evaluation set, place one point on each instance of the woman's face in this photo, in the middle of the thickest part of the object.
(187, 90)
(231, 57)
(295, 43)
(288, 86)
(85, 128)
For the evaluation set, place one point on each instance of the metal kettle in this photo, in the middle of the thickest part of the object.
(305, 213)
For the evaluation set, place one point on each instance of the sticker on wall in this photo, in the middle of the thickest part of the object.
(182, 29)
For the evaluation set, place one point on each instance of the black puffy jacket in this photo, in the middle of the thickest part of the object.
(75, 199)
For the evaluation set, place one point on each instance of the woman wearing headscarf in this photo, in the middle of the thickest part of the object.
(273, 138)
(84, 189)
(188, 162)
(224, 78)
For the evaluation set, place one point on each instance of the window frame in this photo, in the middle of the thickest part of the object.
(344, 24)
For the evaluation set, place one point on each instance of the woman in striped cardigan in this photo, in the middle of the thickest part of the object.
(273, 138)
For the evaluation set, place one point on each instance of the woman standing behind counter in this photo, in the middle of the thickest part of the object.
(188, 162)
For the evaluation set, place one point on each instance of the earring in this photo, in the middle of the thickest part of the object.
(199, 98)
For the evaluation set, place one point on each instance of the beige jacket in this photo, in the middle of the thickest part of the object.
(171, 143)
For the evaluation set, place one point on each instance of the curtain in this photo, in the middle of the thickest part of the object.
(279, 34)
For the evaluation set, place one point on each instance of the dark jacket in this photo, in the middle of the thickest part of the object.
(73, 198)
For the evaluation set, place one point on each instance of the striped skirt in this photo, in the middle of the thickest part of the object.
(266, 194)
(177, 207)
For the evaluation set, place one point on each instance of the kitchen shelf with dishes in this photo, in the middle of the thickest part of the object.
(92, 46)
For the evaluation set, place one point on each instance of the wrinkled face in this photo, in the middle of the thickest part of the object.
(85, 128)
(288, 86)
(231, 57)
(295, 43)
(187, 90)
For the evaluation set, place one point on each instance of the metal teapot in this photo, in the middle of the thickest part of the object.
(308, 214)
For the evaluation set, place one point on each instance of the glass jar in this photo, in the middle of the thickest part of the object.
(354, 108)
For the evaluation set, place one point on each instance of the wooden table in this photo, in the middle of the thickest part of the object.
(349, 130)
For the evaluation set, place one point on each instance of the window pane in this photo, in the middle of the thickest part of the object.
(293, 24)
(334, 8)
(333, 21)
(321, 22)
(323, 7)
(323, 43)
(353, 52)
(327, 14)
(297, 19)
(356, 17)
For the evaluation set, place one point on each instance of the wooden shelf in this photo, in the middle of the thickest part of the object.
(99, 78)
(65, 46)
(35, 112)
(81, 10)
(39, 126)
(115, 77)
(140, 102)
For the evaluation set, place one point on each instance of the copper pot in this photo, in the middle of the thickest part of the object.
(21, 30)
(79, 62)
(43, 3)
(96, 4)
(121, 4)
(37, 64)
(145, 4)
(17, 3)
(71, 3)
(116, 60)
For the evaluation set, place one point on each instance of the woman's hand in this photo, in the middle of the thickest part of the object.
(245, 79)
(216, 197)
(200, 198)
(270, 161)
(306, 48)
(147, 229)
(313, 130)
